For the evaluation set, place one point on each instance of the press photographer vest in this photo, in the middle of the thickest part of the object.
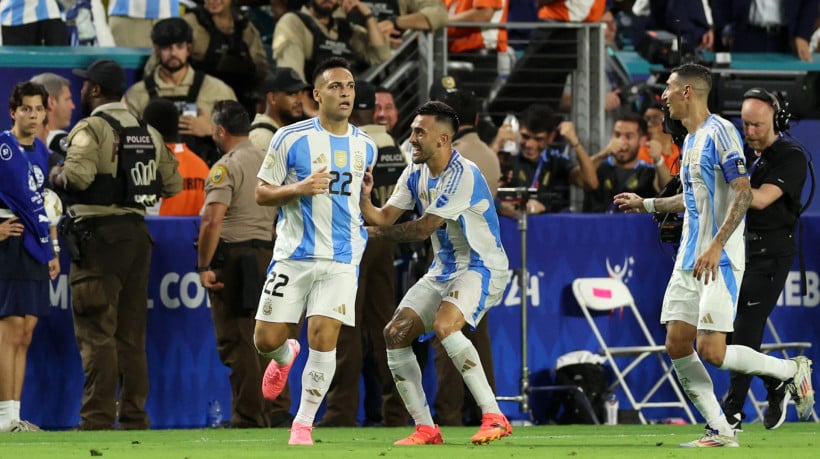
(325, 47)
(137, 183)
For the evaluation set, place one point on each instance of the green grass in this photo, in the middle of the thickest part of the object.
(792, 441)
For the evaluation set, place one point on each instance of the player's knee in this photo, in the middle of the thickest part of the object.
(676, 348)
(443, 329)
(397, 334)
(710, 353)
(266, 339)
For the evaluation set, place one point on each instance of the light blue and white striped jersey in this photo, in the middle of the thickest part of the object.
(147, 9)
(326, 226)
(21, 12)
(471, 238)
(711, 158)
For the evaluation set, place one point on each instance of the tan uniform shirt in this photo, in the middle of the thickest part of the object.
(212, 90)
(293, 43)
(231, 182)
(471, 147)
(261, 136)
(432, 9)
(90, 153)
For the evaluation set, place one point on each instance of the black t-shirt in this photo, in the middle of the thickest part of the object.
(613, 180)
(552, 169)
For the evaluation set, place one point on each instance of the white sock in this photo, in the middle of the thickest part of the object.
(465, 357)
(282, 354)
(697, 385)
(747, 360)
(316, 379)
(16, 409)
(407, 376)
(6, 409)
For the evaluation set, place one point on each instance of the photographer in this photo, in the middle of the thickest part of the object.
(777, 169)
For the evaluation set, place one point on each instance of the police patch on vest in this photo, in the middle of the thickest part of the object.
(340, 158)
(218, 174)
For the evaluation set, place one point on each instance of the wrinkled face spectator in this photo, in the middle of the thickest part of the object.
(386, 113)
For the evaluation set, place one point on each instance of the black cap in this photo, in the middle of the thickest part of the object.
(440, 87)
(365, 96)
(285, 79)
(106, 73)
(170, 31)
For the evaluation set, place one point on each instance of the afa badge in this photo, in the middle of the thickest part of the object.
(218, 174)
(741, 166)
(267, 307)
(358, 160)
(340, 158)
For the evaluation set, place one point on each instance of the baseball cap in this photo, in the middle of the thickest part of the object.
(365, 96)
(171, 30)
(440, 87)
(285, 79)
(106, 73)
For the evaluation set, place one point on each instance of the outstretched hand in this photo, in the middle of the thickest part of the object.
(630, 203)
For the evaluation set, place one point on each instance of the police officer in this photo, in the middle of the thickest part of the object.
(777, 169)
(194, 92)
(112, 253)
(233, 251)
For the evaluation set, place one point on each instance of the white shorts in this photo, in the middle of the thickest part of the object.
(473, 292)
(311, 287)
(707, 307)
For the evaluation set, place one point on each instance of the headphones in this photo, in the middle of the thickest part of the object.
(782, 116)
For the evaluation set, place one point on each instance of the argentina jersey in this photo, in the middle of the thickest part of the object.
(460, 195)
(326, 226)
(147, 9)
(20, 12)
(711, 158)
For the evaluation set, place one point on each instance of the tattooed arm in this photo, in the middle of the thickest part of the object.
(707, 262)
(416, 230)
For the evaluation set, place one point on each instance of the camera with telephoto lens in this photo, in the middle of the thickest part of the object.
(670, 225)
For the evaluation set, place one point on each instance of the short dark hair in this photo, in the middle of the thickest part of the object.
(465, 104)
(25, 89)
(539, 118)
(231, 115)
(442, 113)
(169, 31)
(331, 63)
(163, 115)
(689, 72)
(631, 117)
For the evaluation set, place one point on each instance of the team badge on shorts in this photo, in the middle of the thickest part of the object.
(340, 158)
(267, 308)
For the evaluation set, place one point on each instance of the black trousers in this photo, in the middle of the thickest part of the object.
(762, 283)
(51, 32)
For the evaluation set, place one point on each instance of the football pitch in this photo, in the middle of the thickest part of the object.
(791, 441)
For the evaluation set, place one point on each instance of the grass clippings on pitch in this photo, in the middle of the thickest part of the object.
(791, 441)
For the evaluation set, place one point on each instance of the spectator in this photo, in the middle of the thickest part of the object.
(306, 37)
(463, 226)
(659, 149)
(618, 168)
(386, 113)
(376, 297)
(87, 24)
(543, 166)
(320, 279)
(59, 110)
(131, 21)
(766, 26)
(777, 175)
(109, 278)
(28, 246)
(284, 92)
(32, 23)
(233, 251)
(412, 15)
(453, 405)
(162, 114)
(193, 91)
(692, 19)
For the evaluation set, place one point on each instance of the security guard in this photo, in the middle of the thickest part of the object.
(108, 187)
(233, 251)
(777, 171)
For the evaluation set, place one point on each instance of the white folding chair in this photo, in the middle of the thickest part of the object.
(783, 347)
(606, 294)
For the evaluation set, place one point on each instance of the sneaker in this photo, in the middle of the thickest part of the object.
(735, 421)
(493, 427)
(776, 413)
(712, 439)
(801, 389)
(300, 434)
(276, 375)
(20, 426)
(423, 435)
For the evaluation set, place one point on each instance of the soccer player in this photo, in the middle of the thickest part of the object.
(313, 172)
(467, 277)
(701, 299)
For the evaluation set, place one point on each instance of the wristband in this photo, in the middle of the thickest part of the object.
(395, 22)
(203, 269)
(368, 16)
(649, 204)
(55, 246)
